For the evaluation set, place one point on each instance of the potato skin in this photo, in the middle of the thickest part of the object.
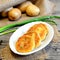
(14, 14)
(32, 10)
(24, 5)
(4, 14)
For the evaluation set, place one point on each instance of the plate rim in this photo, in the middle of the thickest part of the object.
(35, 49)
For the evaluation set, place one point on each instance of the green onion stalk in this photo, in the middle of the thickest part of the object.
(43, 18)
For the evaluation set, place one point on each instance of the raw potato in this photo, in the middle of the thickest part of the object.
(14, 14)
(4, 14)
(24, 5)
(32, 10)
(37, 37)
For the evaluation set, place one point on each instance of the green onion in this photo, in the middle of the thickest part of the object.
(6, 32)
(2, 29)
(50, 21)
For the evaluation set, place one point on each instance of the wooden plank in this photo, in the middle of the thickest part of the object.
(50, 52)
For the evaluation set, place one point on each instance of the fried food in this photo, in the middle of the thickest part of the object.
(43, 32)
(32, 39)
(37, 38)
(40, 29)
(26, 43)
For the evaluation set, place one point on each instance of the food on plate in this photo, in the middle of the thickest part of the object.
(44, 32)
(37, 38)
(25, 43)
(32, 38)
(14, 14)
(40, 29)
(32, 10)
(24, 5)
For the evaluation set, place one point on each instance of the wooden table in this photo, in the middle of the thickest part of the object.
(57, 12)
(51, 52)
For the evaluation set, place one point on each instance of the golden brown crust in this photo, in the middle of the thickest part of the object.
(41, 32)
(37, 38)
(26, 43)
(32, 39)
(41, 29)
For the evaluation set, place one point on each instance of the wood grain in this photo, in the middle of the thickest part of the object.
(50, 52)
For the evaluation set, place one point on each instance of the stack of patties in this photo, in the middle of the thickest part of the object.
(32, 39)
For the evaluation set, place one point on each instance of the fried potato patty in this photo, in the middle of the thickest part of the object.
(26, 43)
(37, 38)
(32, 38)
(41, 32)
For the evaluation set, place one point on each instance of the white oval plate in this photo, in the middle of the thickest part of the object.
(22, 30)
